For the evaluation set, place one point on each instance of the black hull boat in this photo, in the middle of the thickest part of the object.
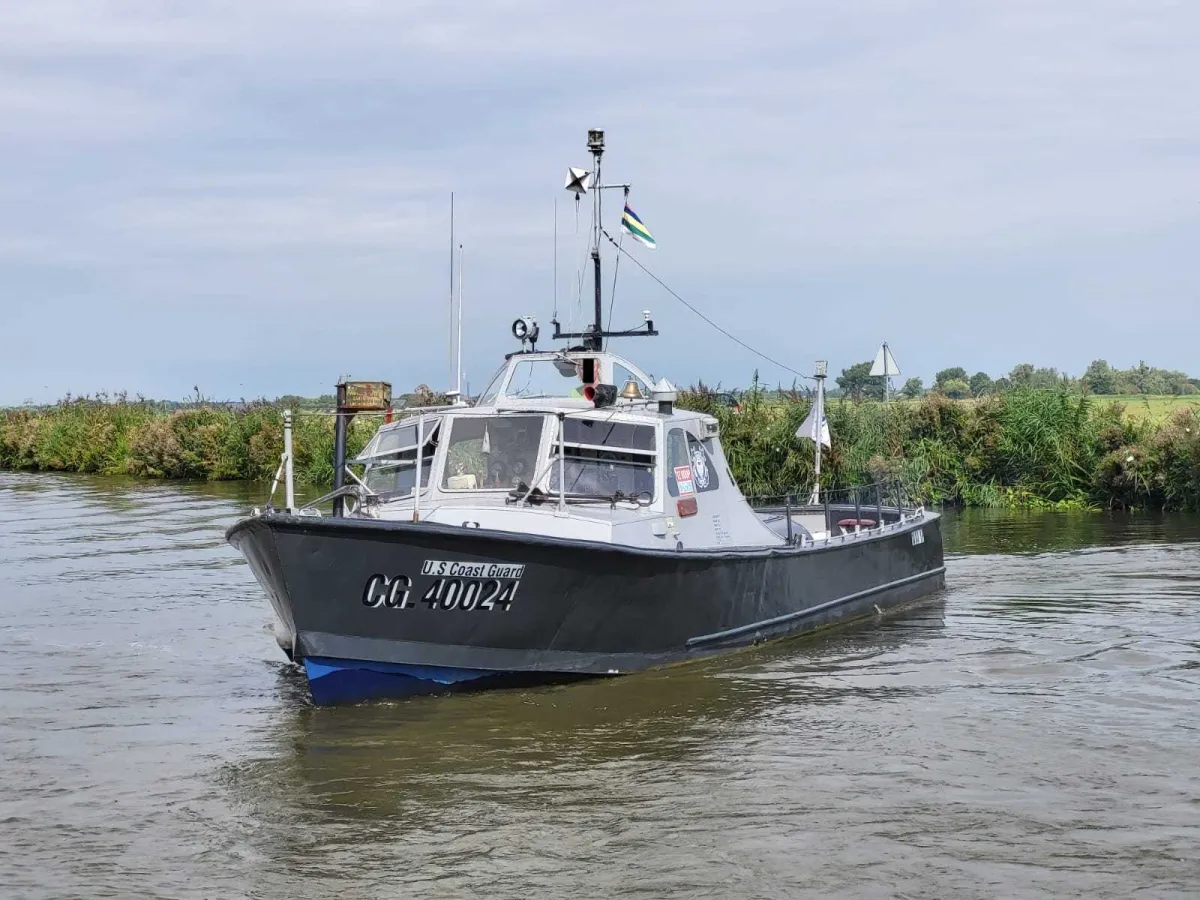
(571, 522)
(393, 609)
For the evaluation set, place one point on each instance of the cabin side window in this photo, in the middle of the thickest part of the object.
(677, 455)
(685, 449)
(603, 457)
(391, 458)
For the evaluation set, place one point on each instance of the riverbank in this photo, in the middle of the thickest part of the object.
(1023, 448)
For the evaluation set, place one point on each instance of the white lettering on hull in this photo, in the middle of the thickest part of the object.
(451, 569)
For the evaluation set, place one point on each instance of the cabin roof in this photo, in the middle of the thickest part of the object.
(646, 412)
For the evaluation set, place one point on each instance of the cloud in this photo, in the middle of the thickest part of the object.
(254, 157)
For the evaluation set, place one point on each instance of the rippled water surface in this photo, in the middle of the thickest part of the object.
(1033, 733)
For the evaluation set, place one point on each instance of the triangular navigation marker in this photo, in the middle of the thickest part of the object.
(885, 363)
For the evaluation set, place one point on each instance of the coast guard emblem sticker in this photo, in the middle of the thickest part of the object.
(700, 468)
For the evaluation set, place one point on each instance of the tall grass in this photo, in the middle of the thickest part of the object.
(122, 437)
(1025, 447)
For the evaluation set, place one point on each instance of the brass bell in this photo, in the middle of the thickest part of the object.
(631, 391)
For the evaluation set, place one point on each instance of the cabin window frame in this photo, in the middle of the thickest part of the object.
(572, 384)
(447, 447)
(398, 457)
(691, 442)
(650, 457)
(495, 387)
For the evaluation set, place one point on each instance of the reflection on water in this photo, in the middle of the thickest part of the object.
(358, 758)
(1030, 733)
(1031, 531)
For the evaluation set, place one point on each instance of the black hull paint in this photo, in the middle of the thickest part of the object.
(578, 608)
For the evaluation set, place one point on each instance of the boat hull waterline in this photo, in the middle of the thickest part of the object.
(390, 609)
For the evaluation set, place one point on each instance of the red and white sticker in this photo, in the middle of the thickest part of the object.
(683, 478)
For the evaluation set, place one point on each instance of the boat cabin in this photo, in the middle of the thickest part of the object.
(578, 444)
(584, 445)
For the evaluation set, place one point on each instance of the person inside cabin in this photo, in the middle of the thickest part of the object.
(577, 391)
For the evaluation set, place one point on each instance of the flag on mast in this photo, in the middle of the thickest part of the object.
(815, 427)
(631, 224)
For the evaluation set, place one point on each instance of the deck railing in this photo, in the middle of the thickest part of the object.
(872, 506)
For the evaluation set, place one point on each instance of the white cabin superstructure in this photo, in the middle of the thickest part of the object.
(540, 454)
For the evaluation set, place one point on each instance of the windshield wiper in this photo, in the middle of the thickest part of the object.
(522, 493)
(537, 497)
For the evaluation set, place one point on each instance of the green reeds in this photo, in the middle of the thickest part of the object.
(122, 437)
(1035, 448)
(1023, 448)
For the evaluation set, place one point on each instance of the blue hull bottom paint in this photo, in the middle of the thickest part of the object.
(348, 680)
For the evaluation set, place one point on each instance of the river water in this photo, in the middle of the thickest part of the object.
(1033, 733)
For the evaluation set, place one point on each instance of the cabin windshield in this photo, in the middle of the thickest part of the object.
(492, 391)
(391, 458)
(492, 452)
(534, 379)
(603, 457)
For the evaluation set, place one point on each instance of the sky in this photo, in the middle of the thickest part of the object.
(251, 198)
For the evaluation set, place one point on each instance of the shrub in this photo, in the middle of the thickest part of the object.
(1022, 447)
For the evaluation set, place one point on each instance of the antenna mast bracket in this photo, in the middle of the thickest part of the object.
(593, 339)
(578, 183)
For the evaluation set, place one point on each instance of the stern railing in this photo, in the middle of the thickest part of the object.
(846, 512)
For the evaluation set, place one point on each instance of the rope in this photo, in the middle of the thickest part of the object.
(736, 340)
(580, 275)
(613, 295)
(554, 315)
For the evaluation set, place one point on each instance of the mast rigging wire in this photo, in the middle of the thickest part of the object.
(580, 274)
(622, 251)
(612, 298)
(554, 317)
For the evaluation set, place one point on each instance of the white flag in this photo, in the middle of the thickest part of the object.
(816, 427)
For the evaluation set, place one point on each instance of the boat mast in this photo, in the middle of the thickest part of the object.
(819, 373)
(578, 183)
(458, 331)
(596, 145)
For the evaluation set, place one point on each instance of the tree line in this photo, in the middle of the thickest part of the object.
(857, 383)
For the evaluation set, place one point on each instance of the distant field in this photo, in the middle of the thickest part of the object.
(1145, 407)
(1152, 408)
